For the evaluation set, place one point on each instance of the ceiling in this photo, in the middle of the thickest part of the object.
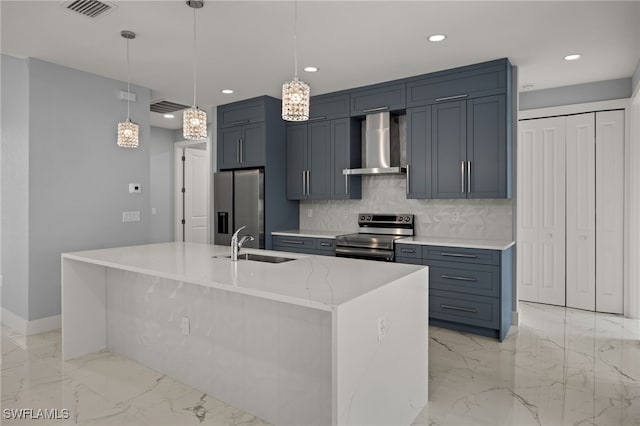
(247, 46)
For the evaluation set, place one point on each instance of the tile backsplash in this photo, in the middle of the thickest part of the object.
(482, 219)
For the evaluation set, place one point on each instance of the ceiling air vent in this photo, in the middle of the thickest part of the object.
(90, 8)
(165, 107)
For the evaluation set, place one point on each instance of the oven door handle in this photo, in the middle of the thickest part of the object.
(362, 253)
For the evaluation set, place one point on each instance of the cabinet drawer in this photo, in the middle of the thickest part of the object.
(325, 244)
(381, 97)
(462, 255)
(463, 308)
(410, 260)
(294, 242)
(408, 250)
(483, 280)
(240, 113)
(463, 85)
(329, 106)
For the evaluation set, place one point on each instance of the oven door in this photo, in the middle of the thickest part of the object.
(365, 253)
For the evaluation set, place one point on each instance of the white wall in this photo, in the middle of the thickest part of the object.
(15, 184)
(632, 258)
(161, 190)
(77, 177)
(577, 94)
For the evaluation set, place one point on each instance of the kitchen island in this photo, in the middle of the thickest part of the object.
(315, 340)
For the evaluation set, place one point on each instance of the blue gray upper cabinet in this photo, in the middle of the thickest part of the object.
(379, 97)
(243, 112)
(419, 152)
(309, 161)
(333, 105)
(449, 149)
(297, 161)
(489, 78)
(345, 153)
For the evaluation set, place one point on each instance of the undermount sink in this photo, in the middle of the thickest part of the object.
(260, 258)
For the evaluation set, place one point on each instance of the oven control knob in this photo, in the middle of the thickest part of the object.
(407, 218)
(362, 217)
(369, 218)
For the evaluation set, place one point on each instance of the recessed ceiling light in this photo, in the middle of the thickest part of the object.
(311, 69)
(168, 116)
(227, 91)
(572, 57)
(437, 37)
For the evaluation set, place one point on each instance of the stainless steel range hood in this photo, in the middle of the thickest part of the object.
(381, 147)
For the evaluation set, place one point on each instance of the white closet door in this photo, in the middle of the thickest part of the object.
(196, 197)
(541, 210)
(609, 211)
(581, 224)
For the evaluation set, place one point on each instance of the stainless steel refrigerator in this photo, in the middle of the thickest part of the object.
(239, 201)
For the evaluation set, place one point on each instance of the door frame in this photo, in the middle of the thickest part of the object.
(631, 284)
(178, 200)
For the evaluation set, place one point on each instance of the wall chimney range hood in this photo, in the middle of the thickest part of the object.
(381, 147)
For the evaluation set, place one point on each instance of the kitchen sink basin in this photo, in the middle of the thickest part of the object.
(260, 258)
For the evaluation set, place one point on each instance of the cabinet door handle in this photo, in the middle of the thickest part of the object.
(468, 256)
(450, 98)
(408, 180)
(459, 308)
(468, 176)
(458, 278)
(241, 149)
(304, 182)
(462, 177)
(325, 244)
(376, 109)
(292, 242)
(238, 149)
(239, 122)
(346, 185)
(404, 250)
(308, 182)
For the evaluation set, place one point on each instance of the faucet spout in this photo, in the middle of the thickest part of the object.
(237, 245)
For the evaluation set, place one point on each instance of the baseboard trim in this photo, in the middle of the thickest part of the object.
(22, 326)
(515, 317)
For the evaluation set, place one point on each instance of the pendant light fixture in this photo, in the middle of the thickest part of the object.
(295, 93)
(194, 120)
(127, 130)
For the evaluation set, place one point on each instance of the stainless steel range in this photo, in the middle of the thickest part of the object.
(378, 232)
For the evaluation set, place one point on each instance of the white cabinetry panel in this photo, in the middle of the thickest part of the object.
(609, 210)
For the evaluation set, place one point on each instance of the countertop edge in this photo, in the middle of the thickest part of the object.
(474, 244)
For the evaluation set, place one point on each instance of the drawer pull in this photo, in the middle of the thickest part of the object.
(468, 256)
(322, 117)
(325, 244)
(292, 242)
(459, 308)
(407, 250)
(450, 98)
(454, 277)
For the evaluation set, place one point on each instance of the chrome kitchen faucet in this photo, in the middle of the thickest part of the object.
(237, 245)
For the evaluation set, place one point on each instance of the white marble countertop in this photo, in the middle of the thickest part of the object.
(458, 242)
(321, 282)
(310, 233)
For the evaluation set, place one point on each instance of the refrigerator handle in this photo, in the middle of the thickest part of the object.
(223, 222)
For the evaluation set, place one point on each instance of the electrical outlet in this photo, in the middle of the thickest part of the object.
(131, 216)
(382, 328)
(456, 216)
(309, 212)
(345, 213)
(184, 326)
(134, 187)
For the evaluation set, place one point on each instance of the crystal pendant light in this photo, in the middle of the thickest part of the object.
(194, 120)
(295, 93)
(127, 130)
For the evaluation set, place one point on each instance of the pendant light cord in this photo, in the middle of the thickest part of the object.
(194, 58)
(128, 84)
(295, 39)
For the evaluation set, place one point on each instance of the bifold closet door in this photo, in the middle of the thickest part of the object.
(581, 215)
(609, 211)
(541, 210)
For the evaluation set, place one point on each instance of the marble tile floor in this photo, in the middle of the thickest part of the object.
(558, 367)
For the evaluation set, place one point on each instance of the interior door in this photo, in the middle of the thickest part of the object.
(541, 210)
(196, 195)
(609, 211)
(581, 203)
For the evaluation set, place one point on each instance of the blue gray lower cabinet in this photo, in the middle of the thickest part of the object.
(306, 245)
(469, 289)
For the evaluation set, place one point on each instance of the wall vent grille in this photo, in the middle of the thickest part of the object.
(90, 8)
(165, 107)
